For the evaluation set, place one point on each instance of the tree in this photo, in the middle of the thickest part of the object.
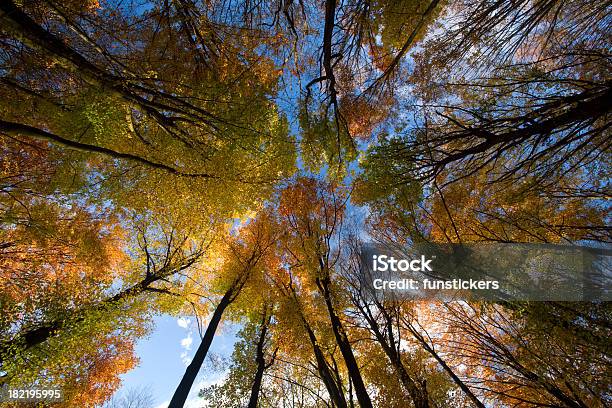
(328, 372)
(382, 321)
(159, 265)
(533, 358)
(156, 118)
(251, 358)
(132, 398)
(93, 133)
(243, 258)
(519, 118)
(312, 212)
(147, 165)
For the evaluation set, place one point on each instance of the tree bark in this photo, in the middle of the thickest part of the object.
(182, 391)
(418, 392)
(448, 370)
(18, 129)
(335, 392)
(333, 388)
(260, 360)
(344, 345)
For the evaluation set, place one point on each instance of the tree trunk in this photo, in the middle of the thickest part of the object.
(418, 392)
(446, 368)
(344, 345)
(335, 392)
(333, 388)
(182, 391)
(260, 360)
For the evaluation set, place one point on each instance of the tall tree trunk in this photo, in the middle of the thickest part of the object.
(416, 389)
(333, 388)
(230, 295)
(446, 368)
(418, 392)
(343, 343)
(260, 360)
(182, 391)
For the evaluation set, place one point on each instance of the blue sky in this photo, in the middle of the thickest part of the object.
(165, 353)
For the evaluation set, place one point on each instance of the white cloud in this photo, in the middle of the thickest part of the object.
(183, 322)
(194, 403)
(186, 345)
(187, 341)
(185, 358)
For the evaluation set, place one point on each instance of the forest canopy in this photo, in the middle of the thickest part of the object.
(226, 160)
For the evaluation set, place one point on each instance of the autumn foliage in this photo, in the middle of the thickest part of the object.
(227, 160)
